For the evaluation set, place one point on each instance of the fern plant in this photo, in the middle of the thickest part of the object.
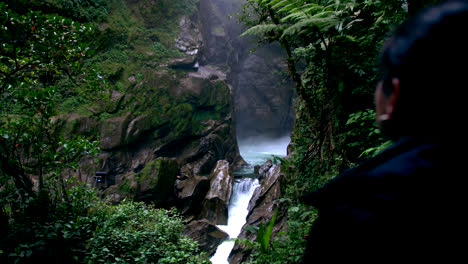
(264, 233)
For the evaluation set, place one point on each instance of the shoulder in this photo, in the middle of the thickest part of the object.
(390, 179)
(389, 203)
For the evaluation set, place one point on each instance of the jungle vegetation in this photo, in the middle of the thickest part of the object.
(60, 56)
(332, 52)
(56, 59)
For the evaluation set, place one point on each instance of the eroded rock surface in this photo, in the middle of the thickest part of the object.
(262, 170)
(180, 112)
(154, 183)
(216, 202)
(191, 191)
(264, 94)
(262, 206)
(208, 235)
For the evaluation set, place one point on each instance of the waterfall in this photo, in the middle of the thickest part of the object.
(242, 192)
(255, 152)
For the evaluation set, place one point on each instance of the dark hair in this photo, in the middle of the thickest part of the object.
(428, 54)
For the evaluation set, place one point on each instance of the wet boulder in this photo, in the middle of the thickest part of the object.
(216, 202)
(191, 192)
(136, 127)
(262, 170)
(208, 235)
(262, 206)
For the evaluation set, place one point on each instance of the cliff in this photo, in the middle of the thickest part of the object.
(167, 116)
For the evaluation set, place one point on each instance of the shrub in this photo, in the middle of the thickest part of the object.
(57, 232)
(138, 233)
(84, 229)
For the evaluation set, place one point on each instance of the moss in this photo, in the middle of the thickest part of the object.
(150, 172)
(125, 187)
(219, 30)
(216, 95)
(71, 103)
(76, 125)
(180, 116)
(202, 115)
(156, 179)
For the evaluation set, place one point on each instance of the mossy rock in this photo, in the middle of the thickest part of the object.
(113, 131)
(216, 95)
(136, 127)
(71, 125)
(156, 181)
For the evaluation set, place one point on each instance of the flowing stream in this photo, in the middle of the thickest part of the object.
(254, 152)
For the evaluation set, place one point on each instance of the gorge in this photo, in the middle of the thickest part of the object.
(240, 206)
(187, 113)
(150, 131)
(264, 111)
(180, 97)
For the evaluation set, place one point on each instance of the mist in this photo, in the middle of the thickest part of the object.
(265, 145)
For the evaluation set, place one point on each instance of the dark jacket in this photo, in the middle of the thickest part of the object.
(405, 204)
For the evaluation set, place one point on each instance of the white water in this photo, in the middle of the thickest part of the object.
(254, 152)
(242, 191)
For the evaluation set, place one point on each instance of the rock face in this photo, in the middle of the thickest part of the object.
(189, 42)
(262, 170)
(208, 235)
(123, 130)
(264, 95)
(206, 203)
(264, 202)
(190, 192)
(175, 119)
(163, 135)
(154, 183)
(216, 202)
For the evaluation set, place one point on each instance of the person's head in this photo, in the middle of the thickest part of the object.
(425, 74)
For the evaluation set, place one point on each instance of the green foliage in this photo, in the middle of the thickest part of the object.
(137, 233)
(159, 48)
(83, 10)
(336, 44)
(38, 51)
(52, 62)
(287, 248)
(143, 31)
(361, 125)
(55, 232)
(265, 232)
(332, 48)
(83, 229)
(372, 151)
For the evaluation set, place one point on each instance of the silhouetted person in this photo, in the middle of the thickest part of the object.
(407, 204)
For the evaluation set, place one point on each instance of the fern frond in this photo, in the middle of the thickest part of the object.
(290, 7)
(307, 8)
(277, 3)
(259, 30)
(322, 21)
(295, 16)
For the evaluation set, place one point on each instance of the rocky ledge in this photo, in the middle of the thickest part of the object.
(208, 206)
(262, 206)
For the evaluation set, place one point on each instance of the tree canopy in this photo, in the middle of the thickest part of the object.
(46, 213)
(332, 52)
